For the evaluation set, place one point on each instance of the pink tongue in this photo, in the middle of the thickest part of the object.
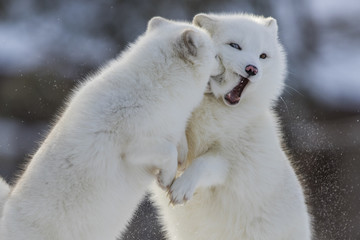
(233, 97)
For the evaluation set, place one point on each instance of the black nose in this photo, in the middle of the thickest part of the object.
(251, 70)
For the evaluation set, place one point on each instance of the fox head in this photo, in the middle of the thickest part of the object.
(253, 60)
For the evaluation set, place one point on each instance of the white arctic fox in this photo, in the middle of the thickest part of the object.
(239, 182)
(124, 123)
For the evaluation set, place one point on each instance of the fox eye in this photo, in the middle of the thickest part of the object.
(235, 45)
(263, 56)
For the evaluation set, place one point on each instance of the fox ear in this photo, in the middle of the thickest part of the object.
(190, 42)
(272, 24)
(204, 21)
(155, 22)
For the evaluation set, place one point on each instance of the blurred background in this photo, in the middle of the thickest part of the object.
(47, 46)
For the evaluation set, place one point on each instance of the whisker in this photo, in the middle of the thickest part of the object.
(298, 92)
(287, 91)
(282, 99)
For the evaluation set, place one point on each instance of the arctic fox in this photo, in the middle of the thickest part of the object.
(239, 183)
(120, 127)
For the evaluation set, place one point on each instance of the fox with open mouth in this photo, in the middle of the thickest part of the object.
(238, 183)
(252, 60)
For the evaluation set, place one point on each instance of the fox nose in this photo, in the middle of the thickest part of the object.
(251, 70)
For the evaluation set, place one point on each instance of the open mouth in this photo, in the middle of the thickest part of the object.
(233, 97)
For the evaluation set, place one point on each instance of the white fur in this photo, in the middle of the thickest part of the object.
(4, 193)
(120, 126)
(239, 182)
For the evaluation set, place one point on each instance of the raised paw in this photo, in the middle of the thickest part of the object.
(181, 190)
(165, 180)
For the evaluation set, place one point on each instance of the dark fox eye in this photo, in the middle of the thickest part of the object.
(235, 45)
(263, 56)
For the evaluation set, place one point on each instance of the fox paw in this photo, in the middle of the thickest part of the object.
(165, 180)
(181, 190)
